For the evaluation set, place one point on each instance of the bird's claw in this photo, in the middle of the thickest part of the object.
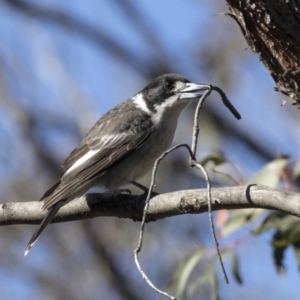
(143, 188)
(125, 191)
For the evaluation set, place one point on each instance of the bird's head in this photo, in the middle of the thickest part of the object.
(168, 92)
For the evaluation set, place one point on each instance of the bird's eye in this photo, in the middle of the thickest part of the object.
(169, 85)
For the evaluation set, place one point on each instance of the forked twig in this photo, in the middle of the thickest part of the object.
(225, 101)
(196, 121)
(193, 163)
(139, 247)
(210, 217)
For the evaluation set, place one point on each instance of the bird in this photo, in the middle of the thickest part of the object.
(123, 144)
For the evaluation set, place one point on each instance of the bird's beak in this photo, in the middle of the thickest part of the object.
(193, 90)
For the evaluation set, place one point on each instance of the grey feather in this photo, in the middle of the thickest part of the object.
(47, 219)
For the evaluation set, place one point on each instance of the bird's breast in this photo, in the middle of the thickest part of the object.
(142, 159)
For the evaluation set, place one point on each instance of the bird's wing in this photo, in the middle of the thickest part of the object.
(108, 142)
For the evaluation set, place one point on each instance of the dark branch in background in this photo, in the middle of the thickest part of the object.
(161, 206)
(116, 277)
(144, 64)
(271, 28)
(29, 123)
(141, 23)
(99, 37)
(229, 129)
(68, 22)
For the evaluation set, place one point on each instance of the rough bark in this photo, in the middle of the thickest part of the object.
(161, 206)
(271, 29)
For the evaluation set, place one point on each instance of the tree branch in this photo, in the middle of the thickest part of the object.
(161, 206)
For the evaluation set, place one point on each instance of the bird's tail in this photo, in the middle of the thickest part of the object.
(47, 219)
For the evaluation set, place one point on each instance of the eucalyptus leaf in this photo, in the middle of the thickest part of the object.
(214, 287)
(296, 249)
(239, 218)
(279, 247)
(209, 276)
(270, 173)
(296, 170)
(281, 221)
(185, 270)
(217, 159)
(235, 268)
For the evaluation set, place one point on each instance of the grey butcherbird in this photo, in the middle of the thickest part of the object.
(123, 145)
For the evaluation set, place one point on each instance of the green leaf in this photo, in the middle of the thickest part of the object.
(282, 222)
(236, 269)
(270, 173)
(200, 281)
(209, 276)
(287, 234)
(240, 218)
(268, 223)
(214, 286)
(279, 247)
(184, 271)
(296, 248)
(296, 170)
(294, 233)
(217, 159)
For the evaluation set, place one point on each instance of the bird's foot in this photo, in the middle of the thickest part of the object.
(125, 191)
(143, 188)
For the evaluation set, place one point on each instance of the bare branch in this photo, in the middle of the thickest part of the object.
(161, 206)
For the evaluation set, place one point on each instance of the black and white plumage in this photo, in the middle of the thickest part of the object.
(123, 145)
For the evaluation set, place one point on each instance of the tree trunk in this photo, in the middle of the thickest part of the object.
(272, 30)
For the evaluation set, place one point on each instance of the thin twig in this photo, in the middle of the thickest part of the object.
(193, 163)
(210, 216)
(139, 247)
(196, 120)
(226, 102)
